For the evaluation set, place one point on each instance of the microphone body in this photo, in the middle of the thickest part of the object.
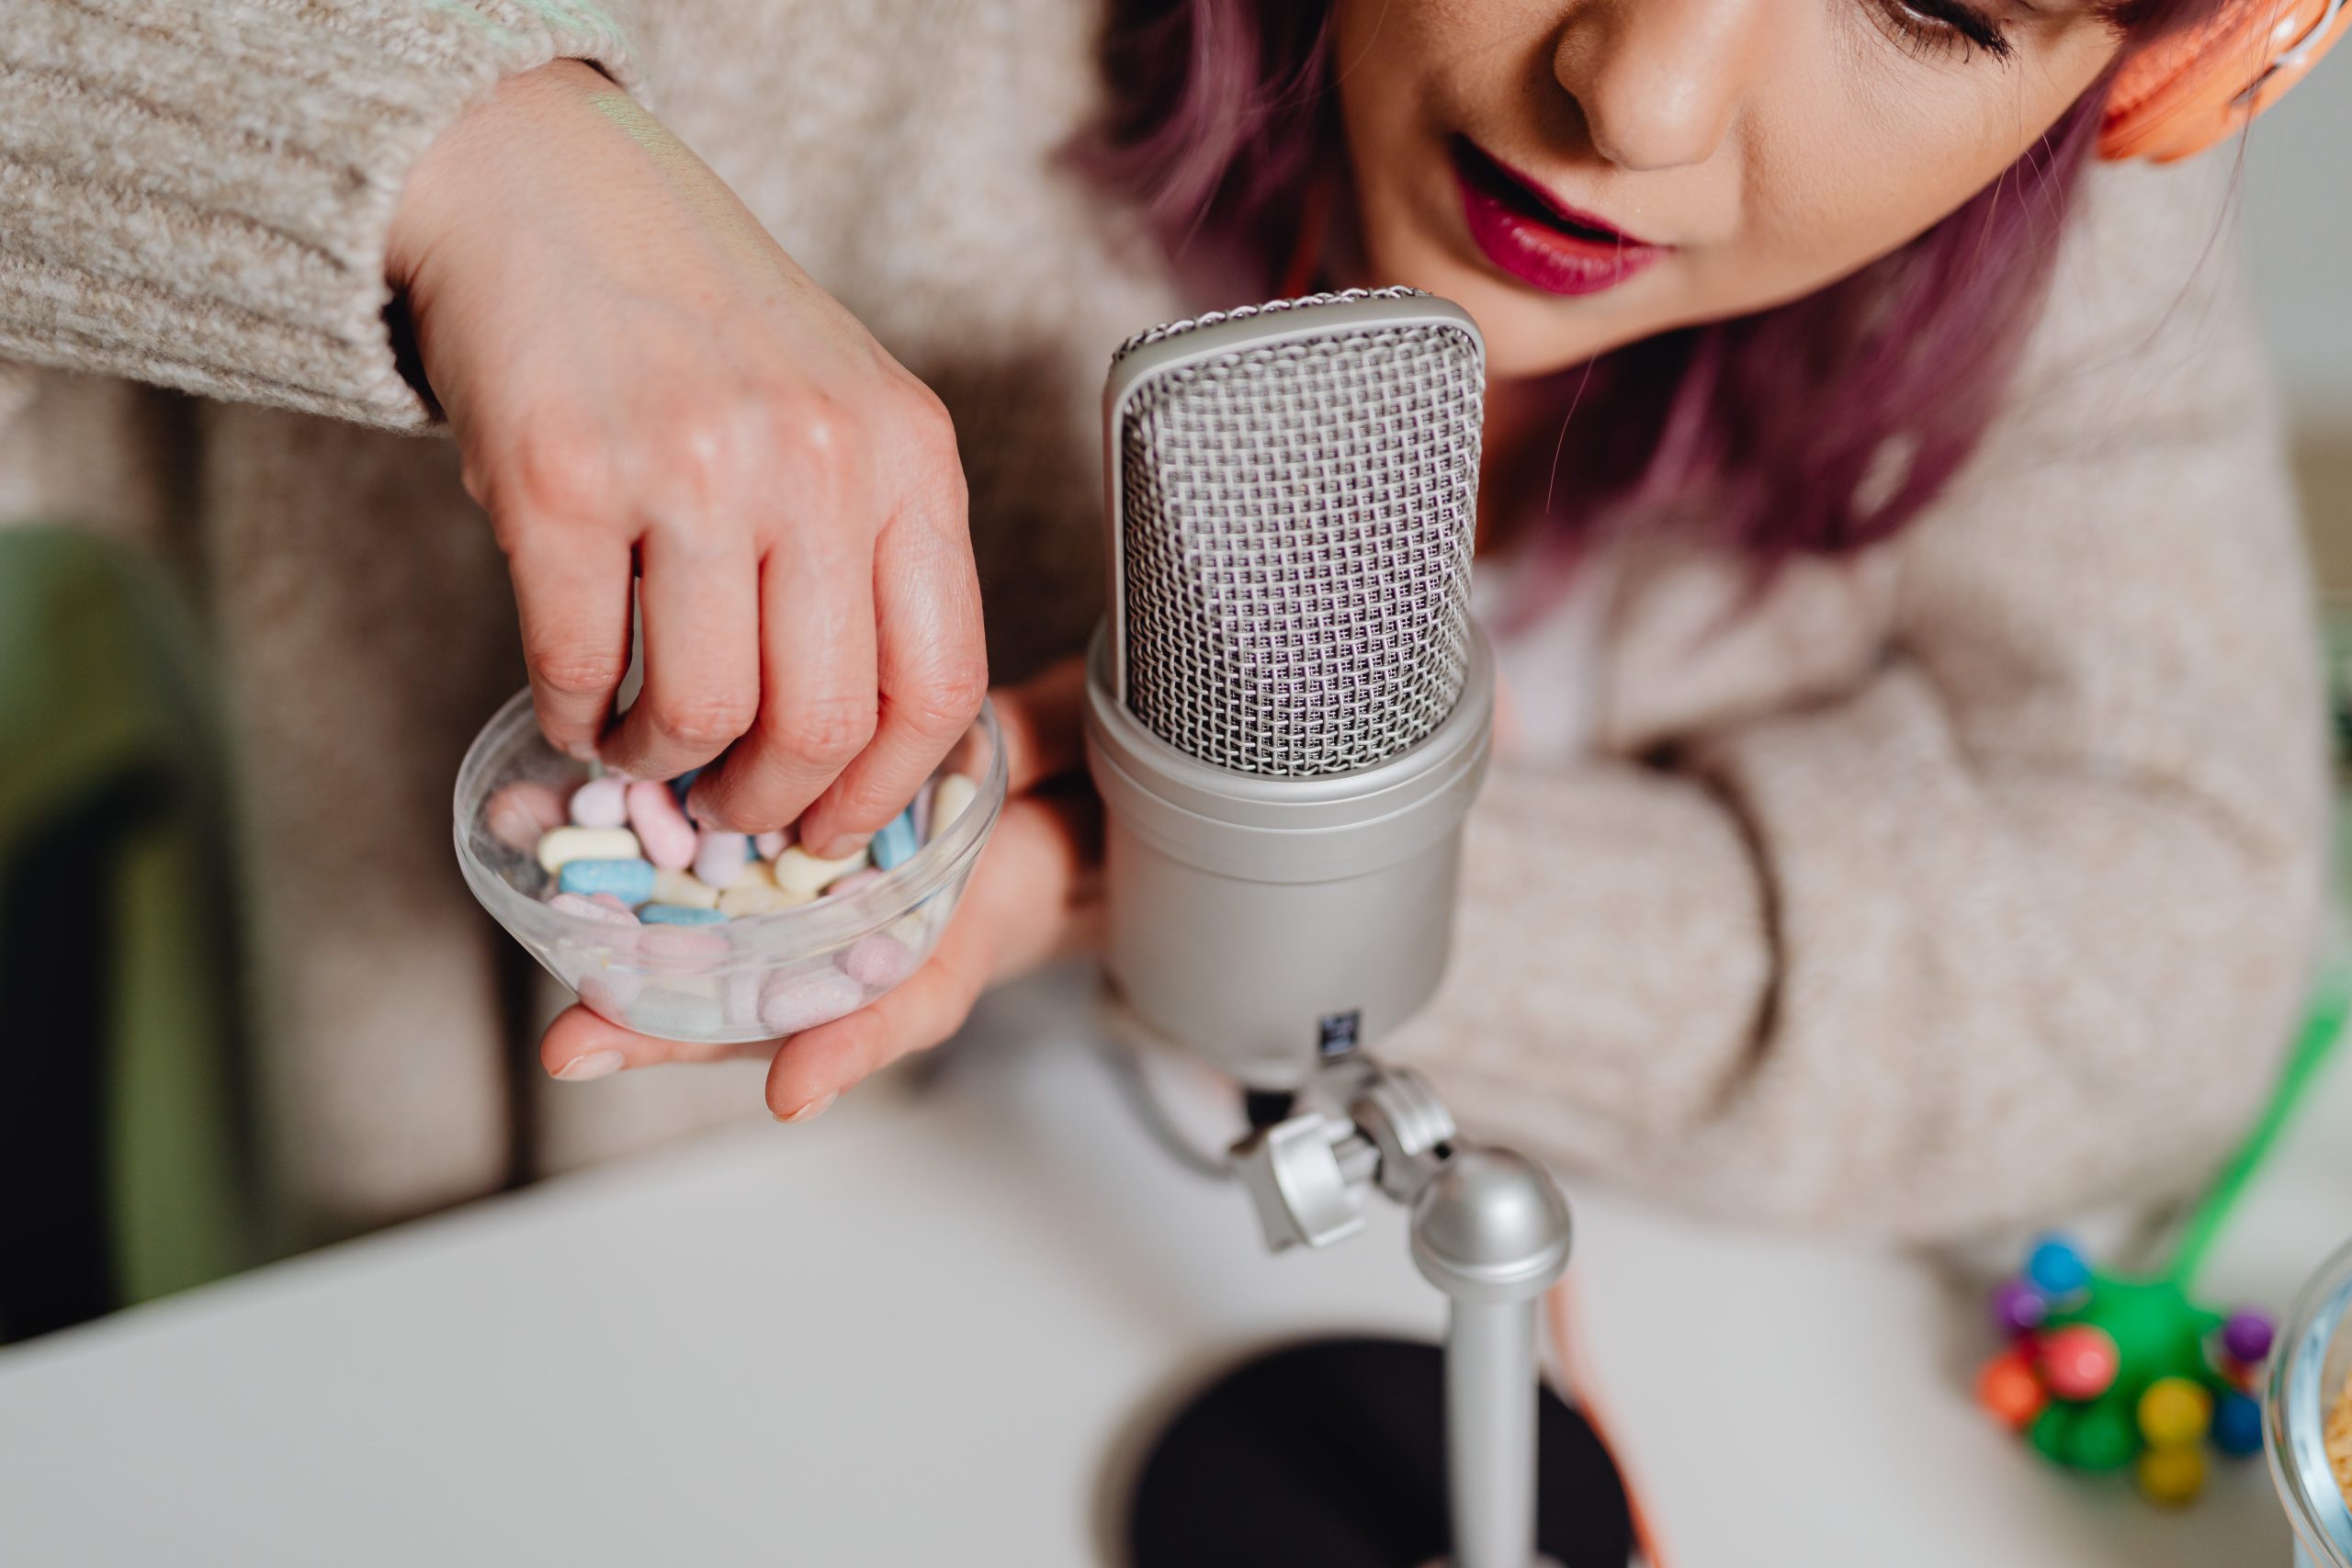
(1288, 707)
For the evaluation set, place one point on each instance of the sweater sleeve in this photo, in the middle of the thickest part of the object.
(2021, 921)
(197, 193)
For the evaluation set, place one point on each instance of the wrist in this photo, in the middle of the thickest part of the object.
(438, 193)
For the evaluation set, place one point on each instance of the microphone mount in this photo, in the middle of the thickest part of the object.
(1490, 1229)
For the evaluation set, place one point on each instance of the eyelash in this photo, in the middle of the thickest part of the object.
(1929, 26)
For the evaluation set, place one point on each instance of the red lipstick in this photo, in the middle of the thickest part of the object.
(1537, 238)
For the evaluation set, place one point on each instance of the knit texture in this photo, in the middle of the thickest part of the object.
(1958, 883)
(197, 192)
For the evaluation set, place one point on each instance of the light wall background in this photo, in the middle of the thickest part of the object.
(2296, 205)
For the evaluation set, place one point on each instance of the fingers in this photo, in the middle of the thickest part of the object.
(1016, 915)
(572, 594)
(817, 683)
(701, 606)
(932, 665)
(579, 1045)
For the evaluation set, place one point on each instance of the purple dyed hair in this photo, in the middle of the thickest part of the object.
(1818, 426)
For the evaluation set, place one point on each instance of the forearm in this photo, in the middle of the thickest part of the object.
(1846, 974)
(198, 192)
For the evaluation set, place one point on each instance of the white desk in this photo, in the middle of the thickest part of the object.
(921, 1330)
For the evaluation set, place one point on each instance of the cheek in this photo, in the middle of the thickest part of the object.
(1842, 175)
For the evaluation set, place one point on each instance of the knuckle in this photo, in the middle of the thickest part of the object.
(554, 468)
(819, 436)
(828, 733)
(944, 699)
(704, 722)
(576, 672)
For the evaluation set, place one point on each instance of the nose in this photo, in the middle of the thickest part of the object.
(1661, 83)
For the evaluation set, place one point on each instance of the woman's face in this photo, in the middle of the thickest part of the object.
(1581, 174)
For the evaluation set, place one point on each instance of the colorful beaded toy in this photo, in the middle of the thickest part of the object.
(2106, 1371)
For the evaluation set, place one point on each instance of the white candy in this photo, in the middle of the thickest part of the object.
(566, 844)
(798, 871)
(720, 857)
(601, 802)
(672, 1014)
(790, 1003)
(682, 889)
(948, 798)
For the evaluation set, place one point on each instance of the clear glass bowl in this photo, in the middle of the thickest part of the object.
(2307, 1374)
(753, 977)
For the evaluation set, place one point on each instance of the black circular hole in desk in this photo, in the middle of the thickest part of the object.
(1331, 1454)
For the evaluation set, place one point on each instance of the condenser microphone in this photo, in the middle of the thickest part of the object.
(1288, 704)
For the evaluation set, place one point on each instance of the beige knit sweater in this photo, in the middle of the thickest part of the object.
(1965, 881)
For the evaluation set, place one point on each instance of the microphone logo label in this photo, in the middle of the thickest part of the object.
(1335, 1034)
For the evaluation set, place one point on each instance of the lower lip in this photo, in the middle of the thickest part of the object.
(1544, 257)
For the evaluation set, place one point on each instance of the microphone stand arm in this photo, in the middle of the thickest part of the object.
(1489, 1228)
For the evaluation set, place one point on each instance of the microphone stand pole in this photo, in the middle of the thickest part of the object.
(1489, 1228)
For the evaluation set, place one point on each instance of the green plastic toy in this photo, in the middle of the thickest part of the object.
(2109, 1371)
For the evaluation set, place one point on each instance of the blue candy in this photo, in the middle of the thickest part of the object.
(896, 840)
(630, 881)
(2238, 1425)
(679, 915)
(2056, 1267)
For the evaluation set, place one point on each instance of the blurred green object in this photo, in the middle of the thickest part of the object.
(123, 1169)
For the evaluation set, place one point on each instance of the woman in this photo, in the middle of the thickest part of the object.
(1916, 812)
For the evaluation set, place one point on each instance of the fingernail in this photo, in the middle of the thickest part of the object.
(595, 1064)
(813, 1110)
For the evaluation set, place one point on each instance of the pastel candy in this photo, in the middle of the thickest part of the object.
(630, 881)
(738, 1000)
(606, 901)
(720, 857)
(518, 814)
(601, 802)
(669, 838)
(673, 1015)
(878, 961)
(564, 845)
(896, 841)
(790, 1003)
(770, 845)
(679, 887)
(798, 871)
(680, 915)
(853, 881)
(757, 895)
(687, 945)
(595, 908)
(609, 992)
(953, 794)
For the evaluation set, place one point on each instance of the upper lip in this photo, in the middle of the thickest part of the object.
(1476, 165)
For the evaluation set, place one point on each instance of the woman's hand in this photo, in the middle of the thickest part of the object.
(642, 382)
(1032, 898)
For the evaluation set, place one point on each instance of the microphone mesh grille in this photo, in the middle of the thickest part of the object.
(1297, 523)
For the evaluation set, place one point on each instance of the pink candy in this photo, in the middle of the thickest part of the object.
(601, 907)
(601, 802)
(770, 845)
(792, 1003)
(853, 881)
(878, 961)
(668, 838)
(519, 814)
(720, 858)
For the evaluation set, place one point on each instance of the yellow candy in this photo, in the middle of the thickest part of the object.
(2174, 1411)
(684, 888)
(952, 793)
(2172, 1474)
(798, 871)
(563, 846)
(757, 894)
